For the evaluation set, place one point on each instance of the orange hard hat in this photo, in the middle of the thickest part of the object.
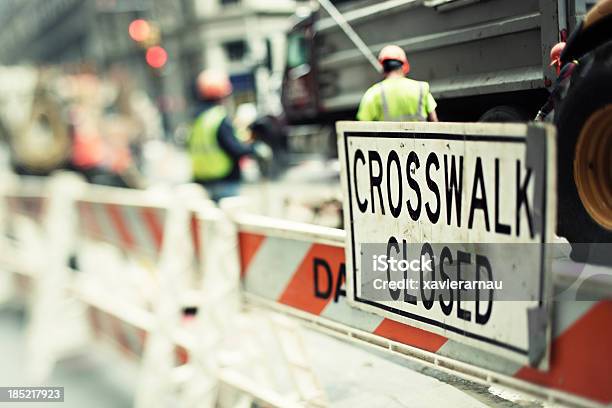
(555, 53)
(393, 52)
(213, 85)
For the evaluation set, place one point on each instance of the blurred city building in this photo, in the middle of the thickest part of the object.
(245, 37)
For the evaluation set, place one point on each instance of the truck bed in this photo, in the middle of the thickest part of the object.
(462, 48)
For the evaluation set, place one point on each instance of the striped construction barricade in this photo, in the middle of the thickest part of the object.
(300, 270)
(115, 240)
(125, 240)
(138, 273)
(40, 225)
(40, 245)
(185, 246)
(121, 235)
(226, 365)
(111, 228)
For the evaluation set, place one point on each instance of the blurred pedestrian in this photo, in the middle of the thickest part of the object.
(213, 146)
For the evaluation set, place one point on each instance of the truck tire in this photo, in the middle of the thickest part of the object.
(504, 114)
(584, 124)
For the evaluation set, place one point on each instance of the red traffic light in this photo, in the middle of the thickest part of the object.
(139, 30)
(156, 57)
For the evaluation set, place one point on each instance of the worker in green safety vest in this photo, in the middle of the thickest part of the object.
(397, 98)
(213, 146)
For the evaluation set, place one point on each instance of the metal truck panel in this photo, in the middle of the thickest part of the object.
(474, 48)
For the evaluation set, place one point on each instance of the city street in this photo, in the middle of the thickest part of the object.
(306, 203)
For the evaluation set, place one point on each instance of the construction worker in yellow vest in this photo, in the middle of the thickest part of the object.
(213, 146)
(397, 98)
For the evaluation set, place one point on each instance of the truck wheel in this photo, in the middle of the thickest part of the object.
(584, 123)
(504, 114)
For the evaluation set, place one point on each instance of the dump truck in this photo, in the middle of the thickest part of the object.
(485, 60)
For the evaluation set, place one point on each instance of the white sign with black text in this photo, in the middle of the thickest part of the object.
(445, 229)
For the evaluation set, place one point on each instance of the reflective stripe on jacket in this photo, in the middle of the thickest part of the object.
(209, 160)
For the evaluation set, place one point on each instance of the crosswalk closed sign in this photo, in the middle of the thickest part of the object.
(446, 229)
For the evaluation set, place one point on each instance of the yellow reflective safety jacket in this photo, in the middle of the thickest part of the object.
(209, 161)
(397, 100)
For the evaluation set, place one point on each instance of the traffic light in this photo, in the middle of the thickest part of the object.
(156, 57)
(139, 30)
(147, 35)
(144, 32)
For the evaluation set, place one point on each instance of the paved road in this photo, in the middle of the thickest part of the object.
(354, 377)
(92, 381)
(350, 376)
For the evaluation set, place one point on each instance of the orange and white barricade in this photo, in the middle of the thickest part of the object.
(144, 257)
(226, 365)
(138, 261)
(300, 270)
(132, 261)
(41, 224)
(116, 261)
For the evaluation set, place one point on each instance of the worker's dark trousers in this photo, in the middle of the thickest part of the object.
(218, 190)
